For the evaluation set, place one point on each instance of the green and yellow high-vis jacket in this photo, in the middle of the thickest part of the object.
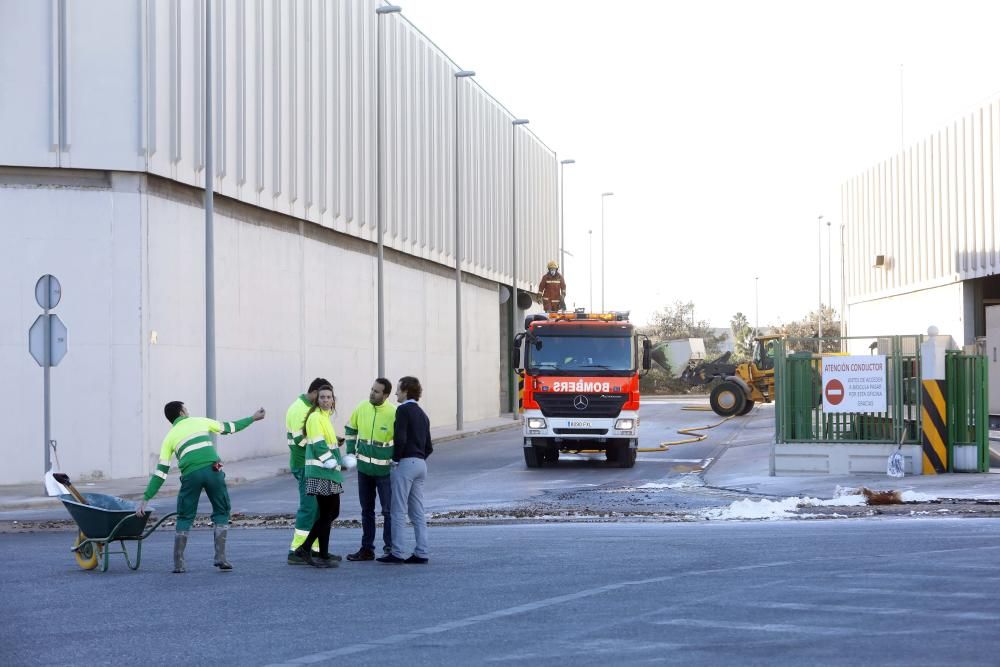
(295, 419)
(190, 441)
(369, 435)
(321, 444)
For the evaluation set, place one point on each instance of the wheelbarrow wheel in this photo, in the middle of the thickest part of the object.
(88, 555)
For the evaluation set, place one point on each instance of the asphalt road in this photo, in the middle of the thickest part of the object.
(883, 592)
(488, 470)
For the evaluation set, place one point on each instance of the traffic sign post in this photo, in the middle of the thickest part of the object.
(47, 345)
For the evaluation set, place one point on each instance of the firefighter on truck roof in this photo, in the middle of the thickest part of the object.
(553, 289)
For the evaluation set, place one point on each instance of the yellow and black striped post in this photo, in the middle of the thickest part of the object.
(520, 394)
(935, 427)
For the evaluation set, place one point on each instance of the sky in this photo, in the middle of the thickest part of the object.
(724, 129)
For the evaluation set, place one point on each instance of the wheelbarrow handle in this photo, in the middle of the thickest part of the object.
(149, 531)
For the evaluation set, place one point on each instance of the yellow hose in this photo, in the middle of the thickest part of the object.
(690, 430)
(664, 446)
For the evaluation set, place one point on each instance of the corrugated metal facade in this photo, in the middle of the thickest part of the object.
(118, 85)
(930, 211)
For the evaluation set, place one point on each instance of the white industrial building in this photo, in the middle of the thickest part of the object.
(922, 234)
(101, 185)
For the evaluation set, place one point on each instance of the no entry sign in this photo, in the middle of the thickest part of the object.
(854, 384)
(834, 391)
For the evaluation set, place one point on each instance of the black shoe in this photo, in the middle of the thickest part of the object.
(394, 560)
(333, 558)
(418, 560)
(386, 550)
(322, 563)
(361, 554)
(295, 559)
(303, 556)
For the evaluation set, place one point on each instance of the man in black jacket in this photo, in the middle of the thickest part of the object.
(412, 435)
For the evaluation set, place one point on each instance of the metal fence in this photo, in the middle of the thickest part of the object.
(799, 414)
(968, 412)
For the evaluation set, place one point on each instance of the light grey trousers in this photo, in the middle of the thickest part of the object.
(408, 500)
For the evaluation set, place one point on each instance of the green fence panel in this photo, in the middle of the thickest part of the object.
(968, 412)
(798, 391)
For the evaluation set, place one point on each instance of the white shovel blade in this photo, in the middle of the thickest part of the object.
(52, 487)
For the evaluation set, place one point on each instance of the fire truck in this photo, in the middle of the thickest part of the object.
(581, 385)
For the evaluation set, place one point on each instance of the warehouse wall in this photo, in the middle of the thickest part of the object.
(293, 301)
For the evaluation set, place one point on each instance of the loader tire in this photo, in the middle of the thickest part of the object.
(747, 407)
(727, 399)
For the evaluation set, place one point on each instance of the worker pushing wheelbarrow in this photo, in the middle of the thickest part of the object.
(103, 520)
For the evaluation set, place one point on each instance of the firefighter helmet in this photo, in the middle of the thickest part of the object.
(553, 264)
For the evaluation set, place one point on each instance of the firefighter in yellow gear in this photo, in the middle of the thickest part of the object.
(553, 289)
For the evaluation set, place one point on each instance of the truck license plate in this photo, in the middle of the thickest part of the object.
(579, 424)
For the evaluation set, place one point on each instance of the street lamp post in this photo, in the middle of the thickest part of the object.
(459, 405)
(829, 268)
(562, 214)
(843, 291)
(604, 196)
(756, 306)
(590, 268)
(513, 259)
(819, 268)
(379, 182)
(209, 227)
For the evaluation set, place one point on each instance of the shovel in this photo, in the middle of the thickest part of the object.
(63, 479)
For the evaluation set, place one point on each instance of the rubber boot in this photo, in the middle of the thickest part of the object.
(180, 542)
(220, 548)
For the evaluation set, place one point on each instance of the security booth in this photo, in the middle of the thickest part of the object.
(844, 405)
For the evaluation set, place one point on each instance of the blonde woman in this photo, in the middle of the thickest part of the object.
(323, 477)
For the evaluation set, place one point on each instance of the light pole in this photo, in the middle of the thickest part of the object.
(829, 267)
(459, 406)
(604, 196)
(590, 268)
(562, 214)
(209, 227)
(756, 306)
(843, 291)
(819, 268)
(513, 259)
(379, 181)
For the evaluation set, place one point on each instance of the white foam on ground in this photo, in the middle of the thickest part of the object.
(685, 482)
(778, 509)
(916, 497)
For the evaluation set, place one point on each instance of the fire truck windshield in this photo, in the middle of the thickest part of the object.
(581, 355)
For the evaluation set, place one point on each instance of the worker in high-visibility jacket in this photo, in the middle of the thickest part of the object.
(324, 479)
(295, 420)
(553, 289)
(369, 435)
(190, 441)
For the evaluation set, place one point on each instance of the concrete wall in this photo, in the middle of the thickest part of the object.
(294, 300)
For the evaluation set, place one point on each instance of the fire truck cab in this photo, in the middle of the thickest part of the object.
(581, 385)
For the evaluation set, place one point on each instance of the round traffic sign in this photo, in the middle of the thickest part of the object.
(834, 391)
(48, 291)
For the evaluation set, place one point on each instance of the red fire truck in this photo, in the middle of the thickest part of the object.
(581, 385)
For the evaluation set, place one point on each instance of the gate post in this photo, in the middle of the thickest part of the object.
(932, 403)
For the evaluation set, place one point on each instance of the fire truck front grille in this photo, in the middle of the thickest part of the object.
(568, 405)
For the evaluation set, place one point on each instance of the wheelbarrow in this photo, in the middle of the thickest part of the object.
(105, 519)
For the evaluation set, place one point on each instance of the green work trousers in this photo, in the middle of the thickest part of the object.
(305, 517)
(213, 482)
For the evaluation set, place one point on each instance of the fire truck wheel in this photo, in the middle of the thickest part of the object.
(626, 455)
(727, 399)
(532, 457)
